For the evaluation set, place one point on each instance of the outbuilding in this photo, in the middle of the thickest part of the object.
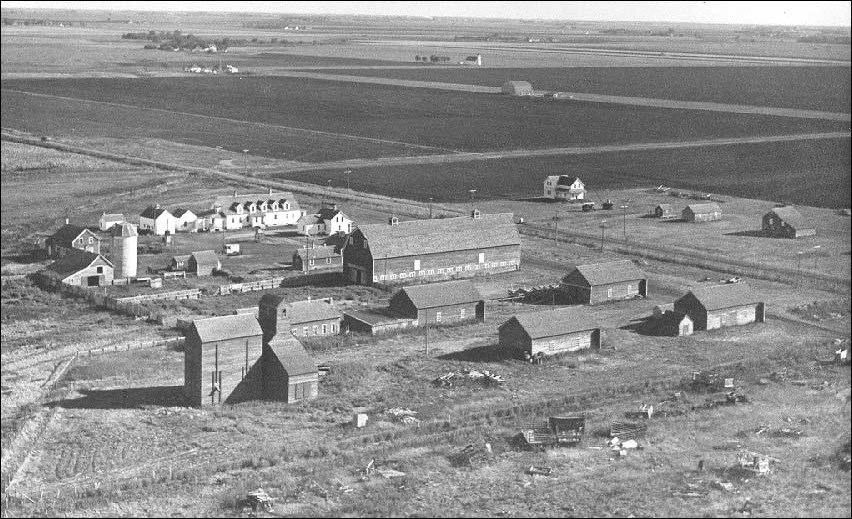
(203, 263)
(317, 258)
(550, 332)
(81, 268)
(106, 221)
(180, 262)
(675, 323)
(701, 213)
(564, 187)
(439, 303)
(786, 222)
(185, 220)
(289, 373)
(311, 318)
(157, 220)
(221, 357)
(602, 282)
(70, 238)
(721, 305)
(518, 88)
(665, 211)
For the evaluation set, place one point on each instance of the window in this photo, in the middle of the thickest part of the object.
(393, 276)
(324, 329)
(440, 271)
(91, 240)
(311, 262)
(458, 269)
(333, 328)
(467, 267)
(461, 313)
(438, 317)
(294, 331)
(482, 257)
(630, 289)
(609, 292)
(328, 261)
(430, 272)
(416, 264)
(374, 278)
(305, 331)
(100, 270)
(286, 206)
(502, 263)
(314, 329)
(382, 277)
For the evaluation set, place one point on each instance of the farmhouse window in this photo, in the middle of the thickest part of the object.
(482, 257)
(311, 262)
(374, 278)
(305, 331)
(328, 261)
(100, 270)
(417, 264)
(458, 269)
(393, 276)
(430, 271)
(382, 277)
(502, 263)
(440, 271)
(438, 317)
(333, 328)
(314, 329)
(324, 329)
(91, 240)
(286, 206)
(630, 289)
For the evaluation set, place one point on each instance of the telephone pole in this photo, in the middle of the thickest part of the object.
(603, 230)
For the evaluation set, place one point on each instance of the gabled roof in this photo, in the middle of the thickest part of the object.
(551, 323)
(321, 252)
(327, 213)
(292, 355)
(417, 237)
(301, 311)
(725, 296)
(113, 217)
(565, 180)
(609, 272)
(205, 257)
(228, 202)
(181, 258)
(664, 206)
(74, 262)
(66, 234)
(442, 294)
(123, 229)
(181, 211)
(153, 213)
(227, 327)
(704, 208)
(791, 217)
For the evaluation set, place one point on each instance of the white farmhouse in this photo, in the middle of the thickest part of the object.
(186, 220)
(329, 220)
(157, 220)
(562, 187)
(259, 210)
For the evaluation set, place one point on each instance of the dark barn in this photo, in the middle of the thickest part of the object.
(786, 222)
(550, 332)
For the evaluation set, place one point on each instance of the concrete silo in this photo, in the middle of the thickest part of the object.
(124, 239)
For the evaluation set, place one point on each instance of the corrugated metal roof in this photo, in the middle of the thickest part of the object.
(292, 355)
(704, 208)
(418, 237)
(609, 272)
(551, 323)
(227, 327)
(205, 258)
(725, 296)
(66, 234)
(791, 217)
(153, 213)
(75, 261)
(442, 294)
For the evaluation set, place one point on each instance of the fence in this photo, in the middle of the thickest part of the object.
(291, 281)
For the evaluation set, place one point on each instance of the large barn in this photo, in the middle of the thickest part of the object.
(550, 332)
(518, 88)
(701, 213)
(602, 282)
(439, 303)
(418, 251)
(721, 305)
(786, 222)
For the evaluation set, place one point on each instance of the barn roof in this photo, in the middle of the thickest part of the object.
(181, 211)
(181, 258)
(124, 230)
(551, 323)
(442, 294)
(205, 257)
(417, 237)
(704, 208)
(302, 311)
(725, 296)
(153, 212)
(292, 355)
(67, 234)
(665, 207)
(792, 217)
(322, 252)
(327, 213)
(227, 327)
(112, 217)
(609, 272)
(228, 202)
(74, 262)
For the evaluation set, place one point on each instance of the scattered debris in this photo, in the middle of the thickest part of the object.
(390, 473)
(471, 456)
(539, 471)
(646, 411)
(360, 420)
(346, 489)
(727, 486)
(405, 416)
(258, 499)
(558, 430)
(485, 377)
(628, 430)
(754, 462)
(710, 381)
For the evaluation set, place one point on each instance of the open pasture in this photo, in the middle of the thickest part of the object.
(772, 171)
(281, 117)
(813, 88)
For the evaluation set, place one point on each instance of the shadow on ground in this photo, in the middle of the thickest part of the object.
(129, 398)
(750, 234)
(489, 353)
(648, 326)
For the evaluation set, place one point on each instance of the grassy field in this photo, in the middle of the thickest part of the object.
(422, 118)
(813, 88)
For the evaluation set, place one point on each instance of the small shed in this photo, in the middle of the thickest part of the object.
(518, 88)
(289, 373)
(317, 258)
(439, 303)
(786, 222)
(701, 213)
(550, 332)
(601, 282)
(664, 211)
(721, 305)
(203, 263)
(375, 321)
(179, 262)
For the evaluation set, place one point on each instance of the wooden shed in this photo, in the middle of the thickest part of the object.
(518, 88)
(665, 211)
(179, 262)
(721, 305)
(786, 222)
(203, 263)
(221, 360)
(311, 318)
(701, 213)
(675, 323)
(550, 332)
(439, 303)
(289, 373)
(323, 257)
(602, 282)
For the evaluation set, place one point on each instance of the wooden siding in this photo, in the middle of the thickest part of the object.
(733, 316)
(576, 293)
(775, 226)
(279, 386)
(576, 341)
(514, 338)
(315, 328)
(335, 263)
(82, 278)
(236, 360)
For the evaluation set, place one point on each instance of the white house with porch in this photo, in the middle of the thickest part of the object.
(563, 187)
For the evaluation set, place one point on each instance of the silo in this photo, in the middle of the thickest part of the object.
(124, 238)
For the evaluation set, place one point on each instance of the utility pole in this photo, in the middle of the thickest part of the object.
(624, 209)
(427, 332)
(245, 162)
(430, 207)
(798, 268)
(816, 254)
(348, 174)
(556, 227)
(603, 230)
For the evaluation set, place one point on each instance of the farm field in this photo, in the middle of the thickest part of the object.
(813, 88)
(764, 171)
(420, 119)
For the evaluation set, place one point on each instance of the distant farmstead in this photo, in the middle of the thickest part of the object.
(421, 251)
(721, 305)
(518, 88)
(701, 213)
(602, 282)
(564, 187)
(550, 332)
(786, 222)
(665, 211)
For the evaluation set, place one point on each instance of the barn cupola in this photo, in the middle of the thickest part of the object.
(393, 220)
(475, 214)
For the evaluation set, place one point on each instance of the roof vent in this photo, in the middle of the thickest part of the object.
(393, 220)
(475, 214)
(156, 206)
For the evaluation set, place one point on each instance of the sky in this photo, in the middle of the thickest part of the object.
(762, 13)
